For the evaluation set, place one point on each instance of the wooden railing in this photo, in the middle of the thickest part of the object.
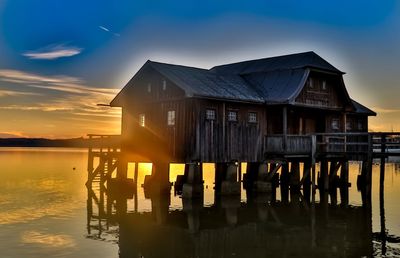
(105, 148)
(104, 143)
(376, 144)
(299, 144)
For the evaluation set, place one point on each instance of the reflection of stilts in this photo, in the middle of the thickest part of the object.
(105, 206)
(98, 219)
(382, 205)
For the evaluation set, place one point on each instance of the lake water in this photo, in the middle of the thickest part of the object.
(46, 211)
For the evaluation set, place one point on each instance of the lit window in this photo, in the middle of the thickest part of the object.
(335, 124)
(149, 87)
(252, 117)
(323, 85)
(164, 85)
(171, 117)
(311, 82)
(348, 125)
(210, 114)
(232, 116)
(142, 120)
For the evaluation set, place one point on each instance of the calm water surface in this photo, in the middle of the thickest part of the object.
(46, 210)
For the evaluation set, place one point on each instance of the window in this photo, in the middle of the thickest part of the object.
(348, 125)
(252, 117)
(311, 83)
(232, 116)
(142, 120)
(164, 85)
(335, 124)
(323, 85)
(171, 117)
(210, 114)
(149, 87)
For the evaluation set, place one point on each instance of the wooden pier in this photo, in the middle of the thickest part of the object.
(285, 156)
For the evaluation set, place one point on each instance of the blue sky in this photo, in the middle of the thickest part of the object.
(60, 58)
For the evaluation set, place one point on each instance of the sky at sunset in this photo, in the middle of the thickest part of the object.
(61, 58)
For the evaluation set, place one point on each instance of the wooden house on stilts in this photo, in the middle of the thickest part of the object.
(249, 111)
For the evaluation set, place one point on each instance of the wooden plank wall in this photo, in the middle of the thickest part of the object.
(221, 140)
(313, 94)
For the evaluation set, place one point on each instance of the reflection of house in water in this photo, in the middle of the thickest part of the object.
(262, 227)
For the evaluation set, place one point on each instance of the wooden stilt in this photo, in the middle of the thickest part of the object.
(135, 174)
(334, 167)
(324, 175)
(284, 181)
(295, 174)
(193, 187)
(306, 180)
(122, 169)
(220, 171)
(344, 174)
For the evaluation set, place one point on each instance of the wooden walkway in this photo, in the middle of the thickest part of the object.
(354, 146)
(285, 156)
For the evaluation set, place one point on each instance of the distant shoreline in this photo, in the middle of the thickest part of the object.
(43, 142)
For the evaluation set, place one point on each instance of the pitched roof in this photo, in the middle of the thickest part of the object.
(270, 80)
(278, 86)
(361, 109)
(293, 61)
(204, 83)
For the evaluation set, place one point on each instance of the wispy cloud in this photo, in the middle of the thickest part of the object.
(75, 96)
(109, 31)
(52, 52)
(8, 93)
(104, 28)
(59, 83)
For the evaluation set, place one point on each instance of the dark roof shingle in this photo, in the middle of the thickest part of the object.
(205, 83)
(293, 61)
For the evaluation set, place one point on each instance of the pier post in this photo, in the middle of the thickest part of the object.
(344, 174)
(295, 175)
(135, 174)
(90, 159)
(251, 175)
(122, 169)
(193, 187)
(220, 171)
(324, 177)
(365, 180)
(284, 181)
(262, 185)
(307, 180)
(313, 186)
(158, 182)
(230, 185)
(334, 167)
